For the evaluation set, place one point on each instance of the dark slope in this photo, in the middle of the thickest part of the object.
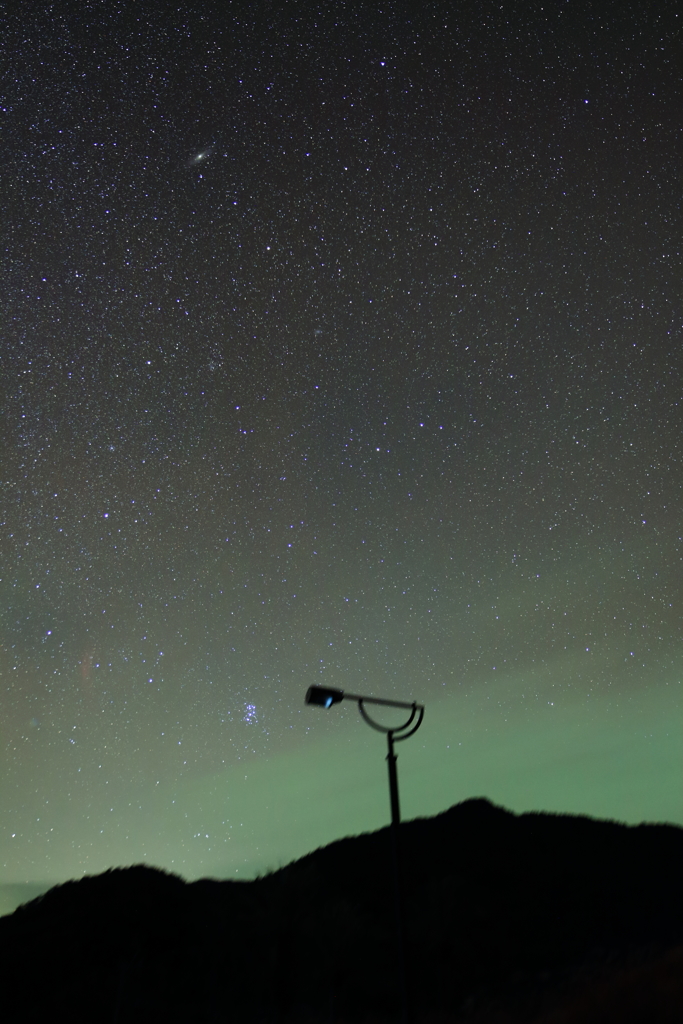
(508, 917)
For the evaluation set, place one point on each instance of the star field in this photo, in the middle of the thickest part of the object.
(340, 345)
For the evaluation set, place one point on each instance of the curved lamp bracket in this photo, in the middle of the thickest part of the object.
(398, 731)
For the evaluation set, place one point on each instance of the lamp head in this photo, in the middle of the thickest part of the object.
(323, 696)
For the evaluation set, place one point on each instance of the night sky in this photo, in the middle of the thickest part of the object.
(341, 344)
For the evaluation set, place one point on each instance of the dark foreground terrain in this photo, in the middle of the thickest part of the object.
(531, 917)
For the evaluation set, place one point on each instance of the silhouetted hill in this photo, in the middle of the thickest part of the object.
(508, 917)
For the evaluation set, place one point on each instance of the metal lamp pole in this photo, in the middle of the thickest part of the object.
(325, 697)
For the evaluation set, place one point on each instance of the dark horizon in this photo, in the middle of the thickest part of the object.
(514, 917)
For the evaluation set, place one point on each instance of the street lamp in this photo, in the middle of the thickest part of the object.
(325, 697)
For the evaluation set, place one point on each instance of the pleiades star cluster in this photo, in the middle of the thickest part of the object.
(341, 344)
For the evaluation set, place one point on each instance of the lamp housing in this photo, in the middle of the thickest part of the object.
(323, 696)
